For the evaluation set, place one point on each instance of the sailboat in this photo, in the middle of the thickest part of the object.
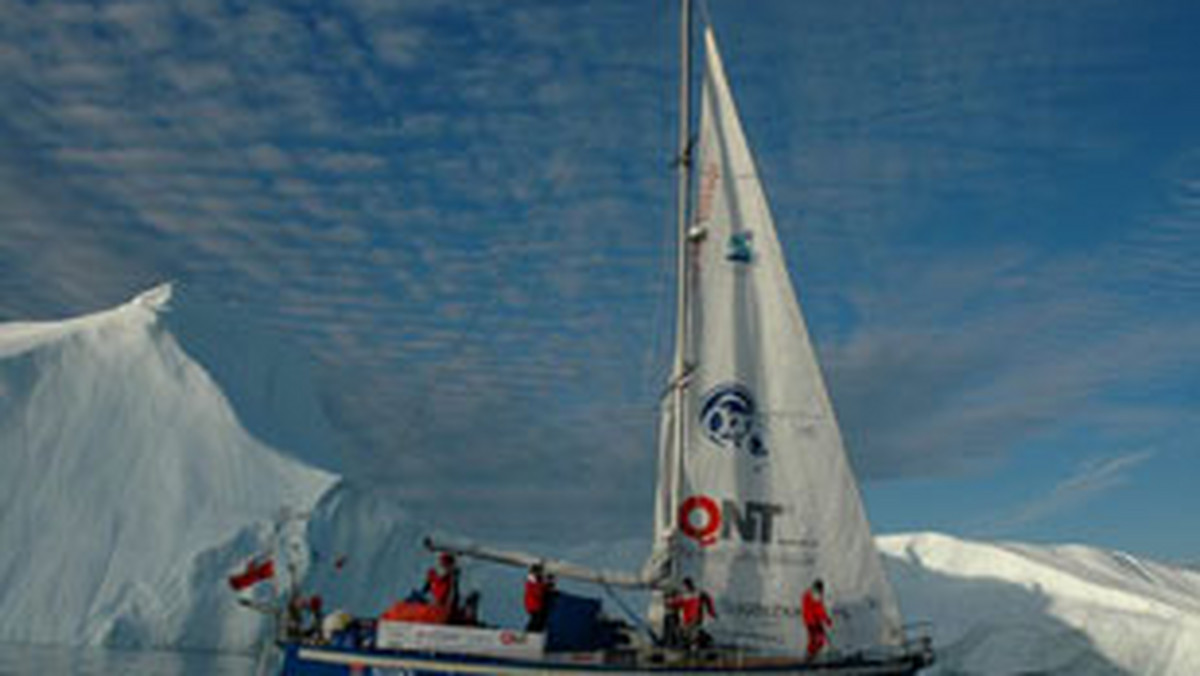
(755, 500)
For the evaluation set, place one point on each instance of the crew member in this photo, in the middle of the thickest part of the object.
(692, 607)
(539, 592)
(442, 583)
(816, 618)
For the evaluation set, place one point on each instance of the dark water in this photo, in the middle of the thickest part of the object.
(19, 660)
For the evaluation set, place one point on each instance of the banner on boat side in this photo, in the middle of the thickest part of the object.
(464, 640)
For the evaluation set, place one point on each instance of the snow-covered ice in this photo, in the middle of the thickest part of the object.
(128, 486)
(1006, 608)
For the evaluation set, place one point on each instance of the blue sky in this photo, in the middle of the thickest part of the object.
(463, 211)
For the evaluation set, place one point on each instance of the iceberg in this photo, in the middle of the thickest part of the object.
(129, 486)
(1006, 608)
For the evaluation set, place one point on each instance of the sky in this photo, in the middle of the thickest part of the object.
(463, 212)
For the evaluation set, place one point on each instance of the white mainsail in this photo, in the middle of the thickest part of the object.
(766, 500)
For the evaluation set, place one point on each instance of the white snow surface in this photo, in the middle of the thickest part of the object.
(129, 489)
(1007, 608)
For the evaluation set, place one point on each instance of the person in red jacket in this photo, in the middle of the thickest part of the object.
(692, 607)
(539, 592)
(442, 583)
(816, 618)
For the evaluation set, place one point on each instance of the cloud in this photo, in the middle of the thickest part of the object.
(958, 363)
(397, 48)
(1160, 256)
(1092, 479)
(464, 211)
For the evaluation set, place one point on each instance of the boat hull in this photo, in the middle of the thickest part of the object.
(303, 660)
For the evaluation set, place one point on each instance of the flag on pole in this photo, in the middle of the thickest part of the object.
(255, 571)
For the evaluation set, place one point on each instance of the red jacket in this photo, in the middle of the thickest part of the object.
(813, 610)
(441, 586)
(537, 589)
(693, 608)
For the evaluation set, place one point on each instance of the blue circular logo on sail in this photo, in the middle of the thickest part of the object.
(729, 417)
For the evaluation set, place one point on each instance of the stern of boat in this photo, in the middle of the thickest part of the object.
(918, 645)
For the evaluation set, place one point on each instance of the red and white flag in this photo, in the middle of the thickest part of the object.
(255, 571)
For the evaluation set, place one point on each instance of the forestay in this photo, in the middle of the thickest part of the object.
(767, 502)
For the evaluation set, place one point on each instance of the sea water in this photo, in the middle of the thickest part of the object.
(19, 660)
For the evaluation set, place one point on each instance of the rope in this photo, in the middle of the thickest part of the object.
(634, 617)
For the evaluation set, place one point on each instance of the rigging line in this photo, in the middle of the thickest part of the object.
(676, 383)
(685, 157)
(705, 16)
(654, 367)
(634, 617)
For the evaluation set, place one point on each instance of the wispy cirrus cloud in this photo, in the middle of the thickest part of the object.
(968, 360)
(1092, 479)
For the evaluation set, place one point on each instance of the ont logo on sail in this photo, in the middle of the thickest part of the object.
(704, 520)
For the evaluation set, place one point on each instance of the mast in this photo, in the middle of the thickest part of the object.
(679, 374)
